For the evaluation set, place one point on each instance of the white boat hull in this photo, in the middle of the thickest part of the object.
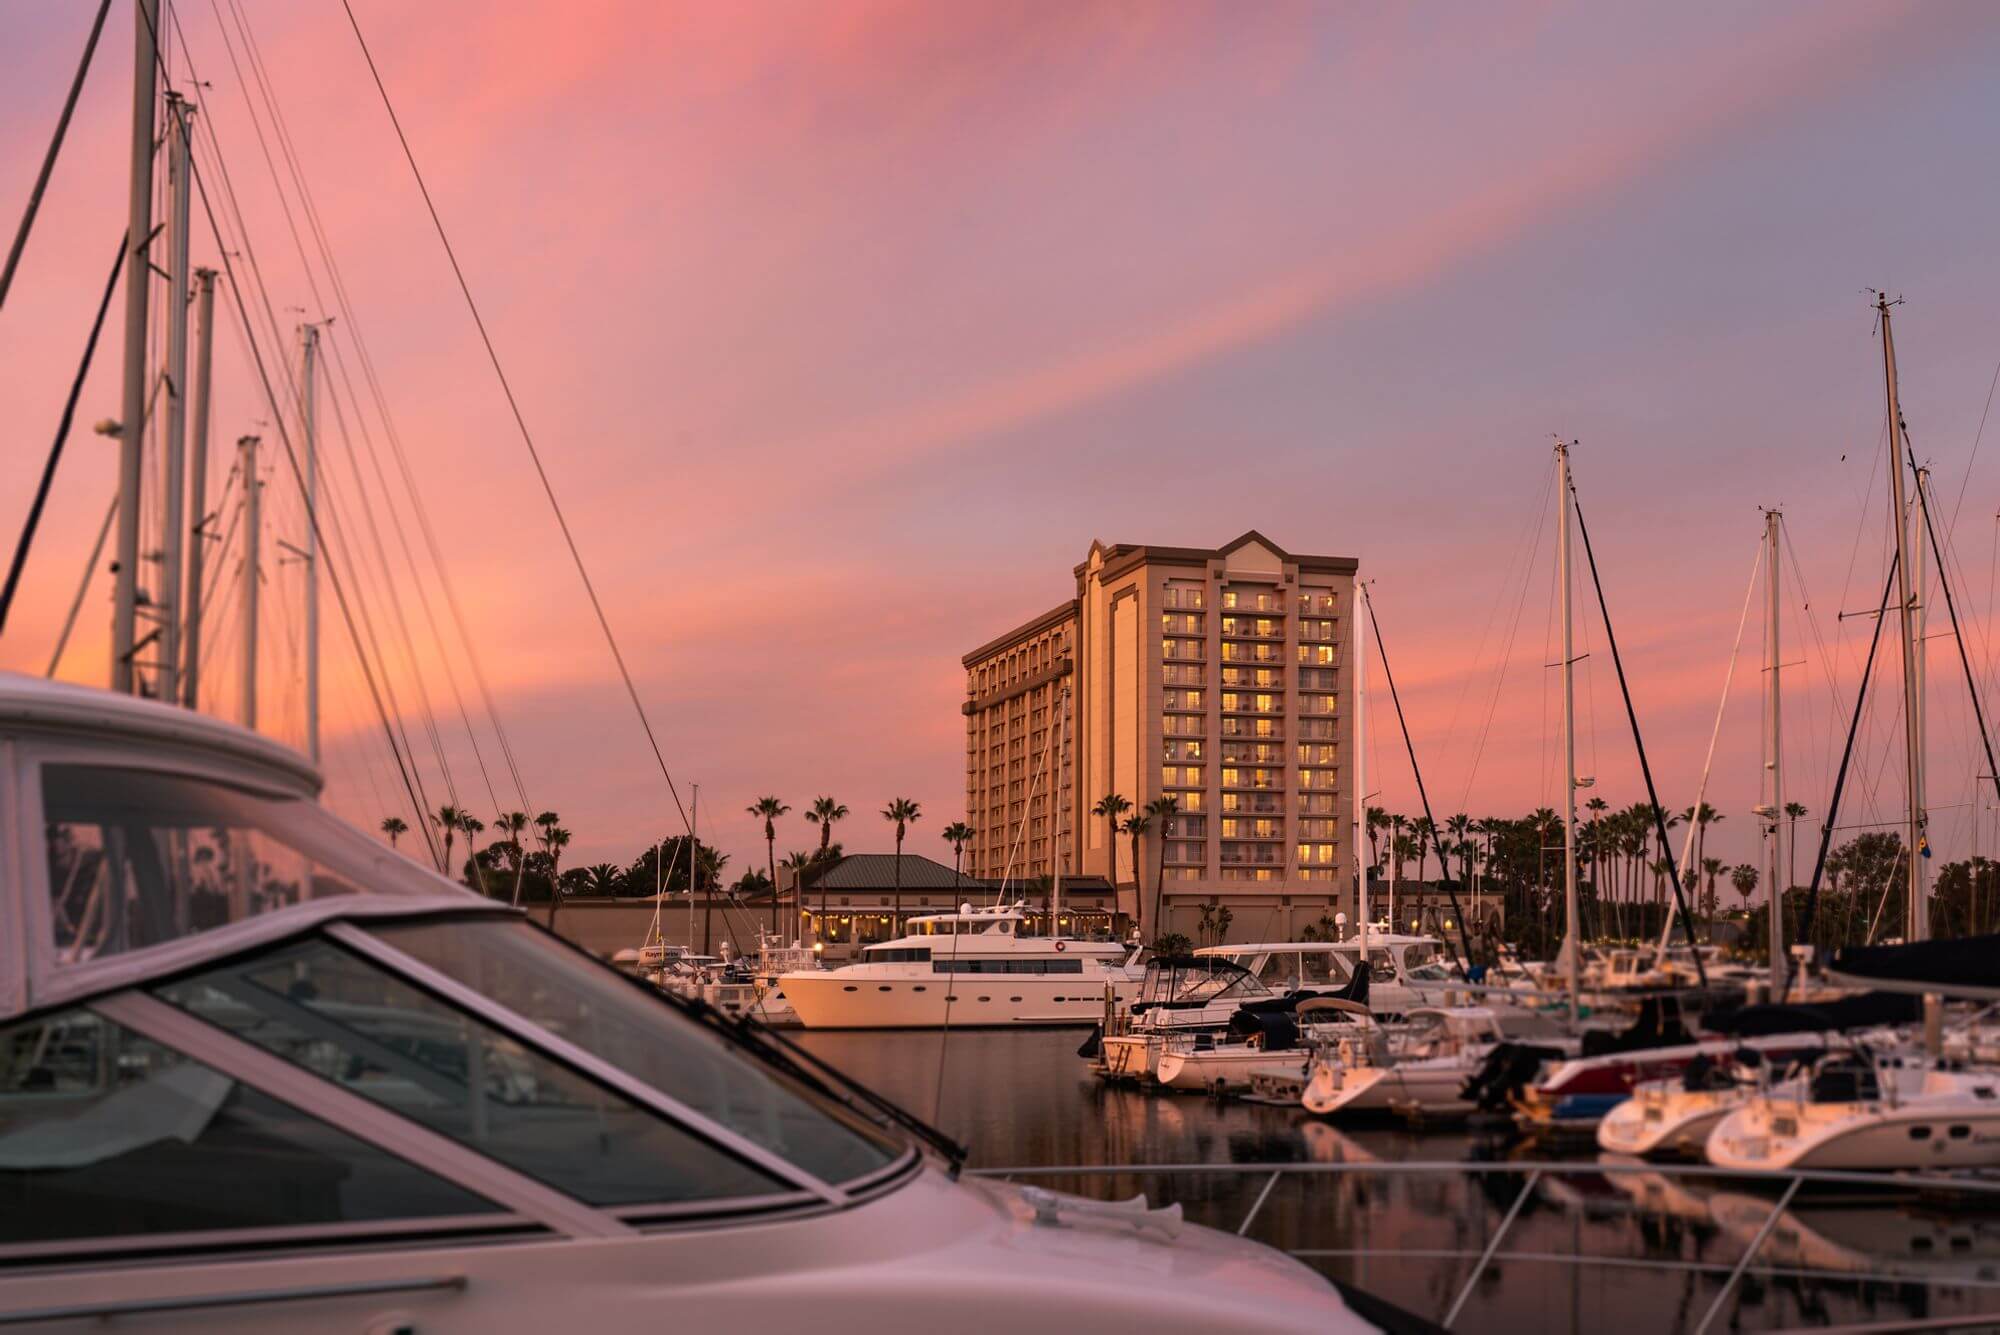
(837, 999)
(1222, 1070)
(1920, 1134)
(1663, 1121)
(1411, 1087)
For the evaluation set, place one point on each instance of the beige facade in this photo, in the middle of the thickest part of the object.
(1218, 678)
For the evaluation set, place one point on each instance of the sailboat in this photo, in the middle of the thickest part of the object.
(1908, 1106)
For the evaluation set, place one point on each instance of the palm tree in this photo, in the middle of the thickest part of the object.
(1420, 830)
(797, 863)
(1162, 810)
(512, 824)
(1396, 854)
(958, 834)
(901, 812)
(1460, 826)
(770, 808)
(1794, 813)
(1710, 868)
(825, 811)
(1702, 818)
(1378, 821)
(1744, 877)
(472, 825)
(395, 827)
(446, 818)
(604, 879)
(554, 839)
(1111, 806)
(1134, 827)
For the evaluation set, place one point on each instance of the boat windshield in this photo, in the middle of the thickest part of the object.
(1205, 978)
(1287, 971)
(139, 857)
(355, 1021)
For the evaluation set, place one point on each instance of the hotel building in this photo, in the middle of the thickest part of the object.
(1218, 678)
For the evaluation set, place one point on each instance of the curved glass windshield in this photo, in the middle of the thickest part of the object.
(106, 1133)
(572, 996)
(355, 1024)
(140, 857)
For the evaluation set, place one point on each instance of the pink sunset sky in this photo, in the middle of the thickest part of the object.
(845, 328)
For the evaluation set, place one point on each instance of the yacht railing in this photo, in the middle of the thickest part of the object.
(1786, 1185)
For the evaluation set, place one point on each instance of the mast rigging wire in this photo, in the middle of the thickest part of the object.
(1444, 866)
(1840, 775)
(412, 785)
(1708, 764)
(520, 420)
(1659, 813)
(307, 207)
(34, 520)
(49, 159)
(1951, 607)
(83, 587)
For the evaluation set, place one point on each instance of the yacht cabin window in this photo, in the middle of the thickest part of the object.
(137, 858)
(107, 1134)
(897, 954)
(1007, 966)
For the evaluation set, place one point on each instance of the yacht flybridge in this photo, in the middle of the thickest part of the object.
(968, 969)
(259, 1072)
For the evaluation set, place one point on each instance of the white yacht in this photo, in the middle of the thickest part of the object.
(1276, 1043)
(1177, 996)
(966, 970)
(1422, 1068)
(1870, 1112)
(260, 1072)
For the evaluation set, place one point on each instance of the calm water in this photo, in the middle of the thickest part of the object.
(1023, 1099)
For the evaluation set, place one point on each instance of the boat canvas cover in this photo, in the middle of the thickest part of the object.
(1866, 1011)
(1966, 966)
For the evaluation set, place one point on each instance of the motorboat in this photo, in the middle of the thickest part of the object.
(1674, 1116)
(259, 1071)
(1271, 1038)
(970, 969)
(1421, 1068)
(1177, 996)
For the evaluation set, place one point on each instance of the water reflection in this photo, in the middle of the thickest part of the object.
(1018, 1099)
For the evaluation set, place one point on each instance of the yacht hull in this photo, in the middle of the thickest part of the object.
(1666, 1123)
(1914, 1136)
(835, 999)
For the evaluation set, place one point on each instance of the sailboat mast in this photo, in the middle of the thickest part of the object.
(694, 818)
(309, 416)
(1920, 894)
(1774, 755)
(253, 537)
(169, 604)
(1572, 942)
(138, 285)
(197, 523)
(1913, 826)
(1361, 867)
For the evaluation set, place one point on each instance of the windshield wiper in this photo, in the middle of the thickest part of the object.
(815, 1072)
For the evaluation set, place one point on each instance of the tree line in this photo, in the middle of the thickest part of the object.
(522, 862)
